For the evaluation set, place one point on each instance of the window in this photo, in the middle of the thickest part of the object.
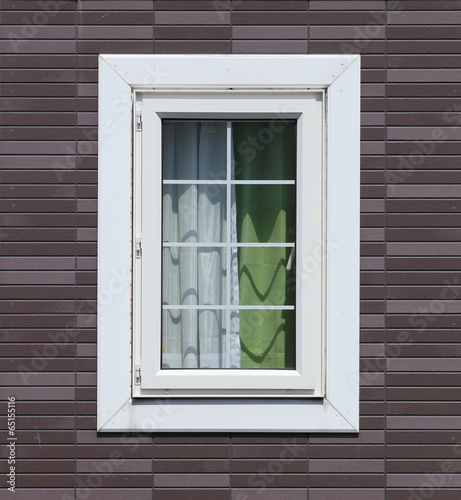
(228, 192)
(240, 177)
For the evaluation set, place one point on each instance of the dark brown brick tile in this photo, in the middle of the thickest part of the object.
(347, 18)
(115, 479)
(192, 47)
(22, 16)
(191, 451)
(25, 46)
(426, 5)
(110, 17)
(37, 61)
(272, 480)
(287, 5)
(97, 32)
(269, 18)
(345, 47)
(419, 466)
(424, 32)
(123, 5)
(192, 33)
(199, 439)
(346, 481)
(191, 480)
(187, 5)
(114, 47)
(346, 494)
(423, 90)
(116, 493)
(42, 466)
(216, 17)
(270, 47)
(345, 452)
(263, 466)
(191, 494)
(44, 480)
(355, 5)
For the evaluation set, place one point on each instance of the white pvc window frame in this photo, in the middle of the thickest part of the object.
(307, 379)
(338, 77)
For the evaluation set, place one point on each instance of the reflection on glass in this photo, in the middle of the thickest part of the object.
(267, 338)
(194, 213)
(265, 213)
(247, 206)
(194, 150)
(266, 276)
(264, 150)
(194, 276)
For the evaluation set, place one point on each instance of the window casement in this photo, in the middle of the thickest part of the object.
(231, 183)
(229, 193)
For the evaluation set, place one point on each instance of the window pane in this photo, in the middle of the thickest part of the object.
(267, 338)
(264, 149)
(195, 339)
(194, 150)
(266, 276)
(194, 276)
(197, 276)
(265, 213)
(194, 213)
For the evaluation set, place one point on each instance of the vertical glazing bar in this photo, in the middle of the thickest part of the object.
(228, 242)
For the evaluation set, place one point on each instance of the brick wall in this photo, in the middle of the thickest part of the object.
(411, 216)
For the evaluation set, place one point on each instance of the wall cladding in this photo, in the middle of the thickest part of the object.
(408, 448)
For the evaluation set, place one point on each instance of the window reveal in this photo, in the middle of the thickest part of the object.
(322, 94)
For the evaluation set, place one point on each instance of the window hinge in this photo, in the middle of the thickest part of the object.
(138, 120)
(137, 376)
(138, 248)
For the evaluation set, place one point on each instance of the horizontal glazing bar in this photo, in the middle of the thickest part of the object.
(213, 181)
(233, 244)
(233, 307)
(276, 182)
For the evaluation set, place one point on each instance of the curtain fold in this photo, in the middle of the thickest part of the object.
(195, 275)
(265, 214)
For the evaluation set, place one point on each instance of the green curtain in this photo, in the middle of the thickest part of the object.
(265, 214)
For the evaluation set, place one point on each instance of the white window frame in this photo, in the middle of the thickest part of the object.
(335, 407)
(307, 379)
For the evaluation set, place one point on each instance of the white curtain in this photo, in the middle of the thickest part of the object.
(194, 275)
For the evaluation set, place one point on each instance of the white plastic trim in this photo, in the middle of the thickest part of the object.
(305, 380)
(339, 76)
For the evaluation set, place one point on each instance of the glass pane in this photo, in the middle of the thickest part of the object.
(266, 276)
(194, 276)
(265, 213)
(194, 150)
(267, 339)
(194, 213)
(194, 338)
(264, 150)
